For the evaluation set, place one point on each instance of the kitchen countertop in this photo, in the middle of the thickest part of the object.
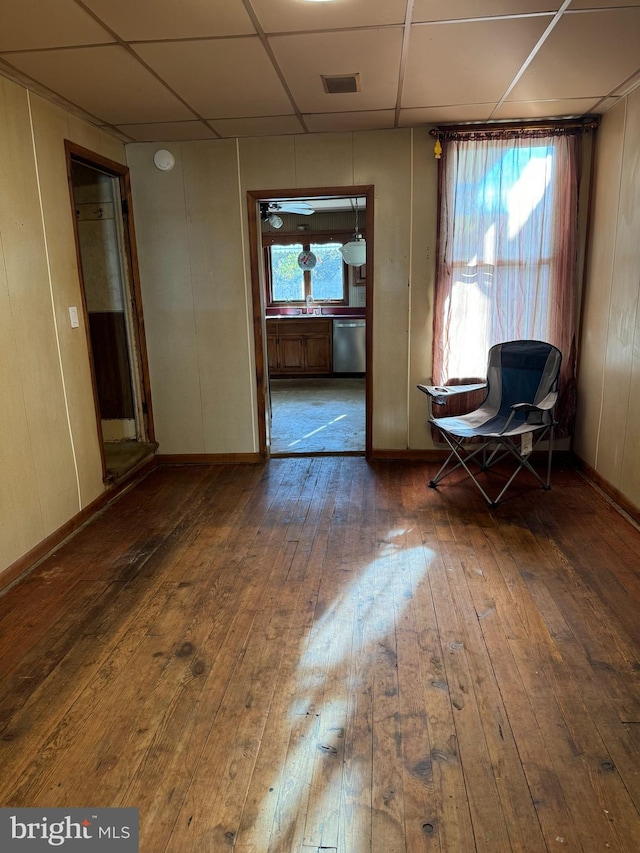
(324, 315)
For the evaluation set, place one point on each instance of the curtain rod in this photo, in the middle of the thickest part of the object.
(513, 128)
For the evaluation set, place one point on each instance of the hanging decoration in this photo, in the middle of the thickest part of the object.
(307, 260)
(354, 252)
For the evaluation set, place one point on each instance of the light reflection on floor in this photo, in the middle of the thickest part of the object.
(317, 415)
(345, 678)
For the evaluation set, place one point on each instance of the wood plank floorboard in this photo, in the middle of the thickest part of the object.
(323, 654)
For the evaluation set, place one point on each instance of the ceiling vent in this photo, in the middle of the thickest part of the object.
(342, 84)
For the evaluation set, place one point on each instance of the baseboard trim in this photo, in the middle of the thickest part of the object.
(29, 561)
(409, 455)
(622, 502)
(209, 458)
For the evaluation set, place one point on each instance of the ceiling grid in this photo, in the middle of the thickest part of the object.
(151, 70)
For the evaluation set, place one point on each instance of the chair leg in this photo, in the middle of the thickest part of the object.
(442, 473)
(551, 432)
(502, 449)
(457, 446)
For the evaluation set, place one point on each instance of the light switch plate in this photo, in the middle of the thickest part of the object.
(73, 317)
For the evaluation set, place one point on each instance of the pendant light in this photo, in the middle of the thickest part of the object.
(354, 253)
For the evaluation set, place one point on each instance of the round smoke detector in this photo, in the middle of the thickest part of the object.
(164, 160)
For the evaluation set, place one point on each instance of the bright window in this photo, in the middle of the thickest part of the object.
(287, 279)
(327, 277)
(506, 248)
(289, 283)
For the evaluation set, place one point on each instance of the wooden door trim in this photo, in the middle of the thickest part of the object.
(254, 197)
(117, 170)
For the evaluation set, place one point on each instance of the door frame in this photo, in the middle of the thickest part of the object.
(129, 260)
(254, 197)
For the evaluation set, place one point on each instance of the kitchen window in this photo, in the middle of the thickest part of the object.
(292, 278)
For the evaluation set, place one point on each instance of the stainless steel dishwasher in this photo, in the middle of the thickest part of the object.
(349, 346)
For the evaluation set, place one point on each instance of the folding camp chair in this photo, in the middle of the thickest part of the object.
(516, 414)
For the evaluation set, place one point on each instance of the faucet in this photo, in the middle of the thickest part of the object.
(309, 300)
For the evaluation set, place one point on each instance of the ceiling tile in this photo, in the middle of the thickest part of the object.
(144, 20)
(586, 55)
(466, 63)
(451, 115)
(169, 131)
(105, 81)
(266, 126)
(284, 16)
(333, 122)
(436, 10)
(59, 24)
(220, 78)
(545, 109)
(463, 57)
(374, 54)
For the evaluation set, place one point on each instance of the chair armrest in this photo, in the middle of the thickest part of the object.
(544, 405)
(437, 394)
(441, 392)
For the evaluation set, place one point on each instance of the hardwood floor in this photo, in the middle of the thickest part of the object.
(324, 654)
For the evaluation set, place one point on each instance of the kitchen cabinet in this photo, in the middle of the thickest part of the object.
(299, 346)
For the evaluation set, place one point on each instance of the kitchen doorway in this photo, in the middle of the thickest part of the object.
(312, 332)
(112, 310)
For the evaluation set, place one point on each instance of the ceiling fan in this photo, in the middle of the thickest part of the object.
(270, 210)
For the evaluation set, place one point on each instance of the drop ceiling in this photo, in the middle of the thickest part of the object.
(152, 70)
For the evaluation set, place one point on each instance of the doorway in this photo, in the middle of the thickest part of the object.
(312, 399)
(112, 312)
